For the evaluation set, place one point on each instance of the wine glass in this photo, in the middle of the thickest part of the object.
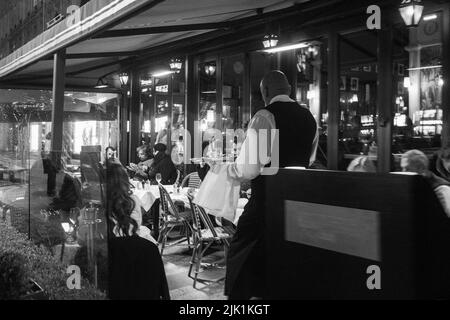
(158, 178)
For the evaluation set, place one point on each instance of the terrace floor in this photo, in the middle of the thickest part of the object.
(176, 264)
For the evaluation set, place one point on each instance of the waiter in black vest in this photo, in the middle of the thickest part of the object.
(298, 138)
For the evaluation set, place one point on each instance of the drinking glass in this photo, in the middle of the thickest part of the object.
(158, 177)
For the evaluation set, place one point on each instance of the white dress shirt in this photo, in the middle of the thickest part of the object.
(242, 168)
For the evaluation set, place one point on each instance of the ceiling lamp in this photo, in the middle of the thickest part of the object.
(270, 40)
(101, 84)
(123, 77)
(313, 51)
(287, 47)
(210, 69)
(175, 65)
(411, 12)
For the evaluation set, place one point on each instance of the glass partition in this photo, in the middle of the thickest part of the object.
(56, 197)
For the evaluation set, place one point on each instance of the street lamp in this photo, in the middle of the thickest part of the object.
(123, 77)
(175, 65)
(270, 40)
(411, 12)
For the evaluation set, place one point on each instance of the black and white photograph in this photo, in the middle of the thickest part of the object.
(224, 151)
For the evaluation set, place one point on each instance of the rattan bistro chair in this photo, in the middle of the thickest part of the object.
(171, 217)
(192, 180)
(205, 235)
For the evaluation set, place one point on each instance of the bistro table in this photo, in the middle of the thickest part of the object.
(149, 194)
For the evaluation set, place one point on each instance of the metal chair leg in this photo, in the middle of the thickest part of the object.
(198, 264)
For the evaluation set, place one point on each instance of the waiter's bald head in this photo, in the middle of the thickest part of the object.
(274, 83)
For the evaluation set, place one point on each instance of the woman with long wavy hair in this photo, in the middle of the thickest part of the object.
(136, 269)
(123, 208)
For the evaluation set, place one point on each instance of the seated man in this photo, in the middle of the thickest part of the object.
(162, 164)
(417, 161)
(140, 170)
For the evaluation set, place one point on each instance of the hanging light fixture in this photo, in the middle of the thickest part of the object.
(175, 65)
(411, 12)
(123, 77)
(270, 40)
(210, 69)
(101, 84)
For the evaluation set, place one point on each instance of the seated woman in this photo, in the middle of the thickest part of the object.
(162, 164)
(136, 267)
(124, 208)
(140, 170)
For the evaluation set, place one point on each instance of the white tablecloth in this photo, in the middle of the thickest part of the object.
(149, 196)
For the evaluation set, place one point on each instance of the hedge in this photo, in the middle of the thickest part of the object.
(45, 269)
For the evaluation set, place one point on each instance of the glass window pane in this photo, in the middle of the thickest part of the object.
(209, 116)
(358, 103)
(418, 100)
(234, 115)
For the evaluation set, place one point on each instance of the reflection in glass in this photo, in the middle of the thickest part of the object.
(234, 115)
(208, 113)
(41, 189)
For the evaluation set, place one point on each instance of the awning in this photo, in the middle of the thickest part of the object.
(110, 31)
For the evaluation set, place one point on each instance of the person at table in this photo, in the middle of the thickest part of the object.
(416, 161)
(147, 279)
(162, 163)
(140, 171)
(296, 127)
(124, 208)
(110, 154)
